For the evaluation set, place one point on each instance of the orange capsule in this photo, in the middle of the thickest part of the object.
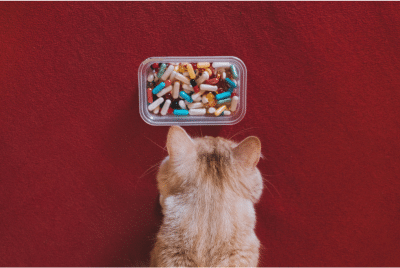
(220, 110)
(150, 95)
(189, 67)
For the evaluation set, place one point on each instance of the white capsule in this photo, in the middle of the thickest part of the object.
(167, 72)
(181, 78)
(208, 87)
(197, 111)
(211, 110)
(165, 108)
(175, 91)
(204, 76)
(187, 87)
(221, 64)
(227, 113)
(195, 105)
(234, 103)
(172, 76)
(156, 110)
(186, 74)
(223, 76)
(204, 99)
(150, 78)
(197, 95)
(155, 104)
(164, 91)
(182, 104)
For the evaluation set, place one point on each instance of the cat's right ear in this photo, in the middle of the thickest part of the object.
(179, 143)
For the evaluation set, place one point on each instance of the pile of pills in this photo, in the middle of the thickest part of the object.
(202, 88)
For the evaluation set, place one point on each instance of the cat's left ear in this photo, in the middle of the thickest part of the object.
(248, 152)
(179, 144)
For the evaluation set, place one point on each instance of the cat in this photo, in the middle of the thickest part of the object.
(208, 187)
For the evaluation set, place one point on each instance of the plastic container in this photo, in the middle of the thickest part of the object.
(170, 119)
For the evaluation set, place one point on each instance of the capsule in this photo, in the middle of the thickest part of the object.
(208, 70)
(220, 110)
(167, 72)
(197, 96)
(161, 70)
(224, 101)
(221, 64)
(226, 113)
(150, 78)
(155, 104)
(158, 88)
(204, 76)
(164, 91)
(182, 104)
(149, 95)
(208, 87)
(203, 65)
(181, 112)
(175, 90)
(165, 108)
(230, 82)
(234, 71)
(204, 99)
(197, 111)
(212, 81)
(211, 110)
(187, 87)
(182, 78)
(172, 76)
(154, 66)
(195, 105)
(234, 103)
(211, 99)
(186, 96)
(224, 95)
(190, 69)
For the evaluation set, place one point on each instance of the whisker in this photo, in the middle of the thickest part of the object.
(276, 190)
(243, 130)
(156, 143)
(149, 169)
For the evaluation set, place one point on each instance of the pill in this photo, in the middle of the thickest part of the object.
(203, 64)
(154, 66)
(211, 99)
(165, 108)
(191, 71)
(155, 104)
(230, 89)
(161, 70)
(197, 111)
(158, 88)
(221, 64)
(208, 70)
(204, 76)
(172, 76)
(234, 71)
(227, 113)
(230, 82)
(197, 95)
(183, 79)
(182, 104)
(224, 101)
(164, 91)
(211, 110)
(150, 78)
(181, 112)
(204, 99)
(175, 91)
(186, 96)
(187, 87)
(156, 110)
(208, 87)
(223, 76)
(212, 81)
(167, 72)
(224, 95)
(149, 95)
(234, 103)
(195, 105)
(220, 110)
(175, 104)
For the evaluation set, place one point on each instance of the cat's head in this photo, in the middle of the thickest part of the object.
(219, 164)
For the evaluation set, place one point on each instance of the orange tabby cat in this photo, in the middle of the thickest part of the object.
(207, 190)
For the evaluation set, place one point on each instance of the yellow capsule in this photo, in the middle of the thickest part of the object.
(220, 110)
(176, 69)
(181, 68)
(208, 70)
(189, 67)
(203, 65)
(211, 99)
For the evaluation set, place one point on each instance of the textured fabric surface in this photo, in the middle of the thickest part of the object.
(323, 97)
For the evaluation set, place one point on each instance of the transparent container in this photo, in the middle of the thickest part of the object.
(191, 120)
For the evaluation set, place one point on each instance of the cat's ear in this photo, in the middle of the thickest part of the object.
(179, 142)
(248, 152)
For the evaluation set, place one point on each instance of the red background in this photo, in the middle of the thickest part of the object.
(323, 97)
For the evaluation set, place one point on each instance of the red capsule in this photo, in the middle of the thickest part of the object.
(150, 95)
(233, 94)
(168, 83)
(196, 89)
(155, 66)
(170, 111)
(212, 81)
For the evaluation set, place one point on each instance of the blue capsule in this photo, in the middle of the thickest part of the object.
(185, 96)
(230, 90)
(224, 101)
(234, 72)
(230, 82)
(223, 95)
(158, 88)
(181, 112)
(161, 70)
